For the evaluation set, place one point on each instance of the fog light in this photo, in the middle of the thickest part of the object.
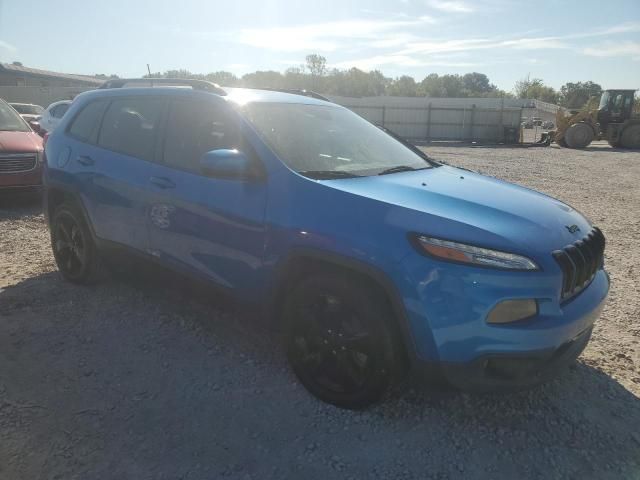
(513, 310)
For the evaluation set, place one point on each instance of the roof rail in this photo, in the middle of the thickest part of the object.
(301, 91)
(172, 82)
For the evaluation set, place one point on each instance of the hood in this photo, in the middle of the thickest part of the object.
(461, 205)
(17, 142)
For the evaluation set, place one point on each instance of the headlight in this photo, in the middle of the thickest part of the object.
(461, 252)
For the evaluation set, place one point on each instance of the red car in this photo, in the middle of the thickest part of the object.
(20, 151)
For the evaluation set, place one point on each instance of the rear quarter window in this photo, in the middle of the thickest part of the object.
(87, 123)
(130, 126)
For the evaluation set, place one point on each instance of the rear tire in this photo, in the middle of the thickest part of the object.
(630, 137)
(340, 341)
(73, 247)
(579, 135)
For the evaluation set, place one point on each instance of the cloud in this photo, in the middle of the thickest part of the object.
(237, 67)
(615, 49)
(401, 41)
(7, 46)
(325, 37)
(451, 6)
(376, 61)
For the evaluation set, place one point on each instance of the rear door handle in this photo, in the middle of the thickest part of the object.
(162, 182)
(85, 160)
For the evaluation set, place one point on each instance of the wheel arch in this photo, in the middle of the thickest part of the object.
(304, 260)
(55, 196)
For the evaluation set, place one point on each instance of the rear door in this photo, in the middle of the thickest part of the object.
(114, 165)
(211, 226)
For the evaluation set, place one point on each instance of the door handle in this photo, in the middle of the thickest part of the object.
(85, 160)
(162, 182)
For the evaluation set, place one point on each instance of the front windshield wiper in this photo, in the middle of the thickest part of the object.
(400, 168)
(327, 174)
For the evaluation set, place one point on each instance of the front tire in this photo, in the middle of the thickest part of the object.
(579, 135)
(340, 341)
(73, 247)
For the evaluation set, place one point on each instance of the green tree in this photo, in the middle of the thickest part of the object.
(434, 85)
(225, 79)
(263, 79)
(536, 89)
(403, 86)
(477, 84)
(577, 95)
(316, 64)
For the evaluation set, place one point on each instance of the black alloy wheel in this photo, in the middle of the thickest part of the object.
(73, 247)
(339, 342)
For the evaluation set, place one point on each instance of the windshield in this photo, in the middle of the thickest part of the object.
(329, 142)
(28, 109)
(604, 100)
(10, 120)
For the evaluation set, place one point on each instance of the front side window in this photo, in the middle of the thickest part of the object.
(86, 124)
(130, 126)
(10, 120)
(195, 128)
(617, 103)
(327, 142)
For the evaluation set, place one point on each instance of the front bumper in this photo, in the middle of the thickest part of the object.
(447, 322)
(513, 371)
(28, 179)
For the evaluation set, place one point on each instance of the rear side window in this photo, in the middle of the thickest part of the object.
(193, 129)
(130, 126)
(86, 124)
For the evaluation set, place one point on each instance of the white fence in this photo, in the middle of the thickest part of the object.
(423, 118)
(416, 118)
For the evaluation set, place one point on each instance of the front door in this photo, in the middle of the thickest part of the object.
(210, 226)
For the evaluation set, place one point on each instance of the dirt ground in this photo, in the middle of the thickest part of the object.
(141, 377)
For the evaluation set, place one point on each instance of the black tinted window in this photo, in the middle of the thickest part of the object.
(194, 129)
(85, 125)
(130, 126)
(60, 110)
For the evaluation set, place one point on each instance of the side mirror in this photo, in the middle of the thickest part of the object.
(35, 125)
(226, 163)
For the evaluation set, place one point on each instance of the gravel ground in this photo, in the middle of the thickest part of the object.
(140, 377)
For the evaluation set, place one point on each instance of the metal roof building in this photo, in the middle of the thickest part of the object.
(15, 74)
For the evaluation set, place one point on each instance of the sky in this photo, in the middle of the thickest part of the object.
(558, 41)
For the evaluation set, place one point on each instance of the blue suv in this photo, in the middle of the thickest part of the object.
(370, 257)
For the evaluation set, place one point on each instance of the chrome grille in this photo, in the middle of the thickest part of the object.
(580, 262)
(17, 162)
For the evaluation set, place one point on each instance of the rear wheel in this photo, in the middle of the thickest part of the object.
(630, 137)
(73, 248)
(339, 340)
(579, 135)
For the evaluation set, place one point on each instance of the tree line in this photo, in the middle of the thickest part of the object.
(315, 75)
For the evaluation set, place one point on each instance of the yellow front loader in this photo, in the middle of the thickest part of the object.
(614, 121)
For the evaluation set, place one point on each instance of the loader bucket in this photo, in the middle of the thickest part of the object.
(545, 140)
